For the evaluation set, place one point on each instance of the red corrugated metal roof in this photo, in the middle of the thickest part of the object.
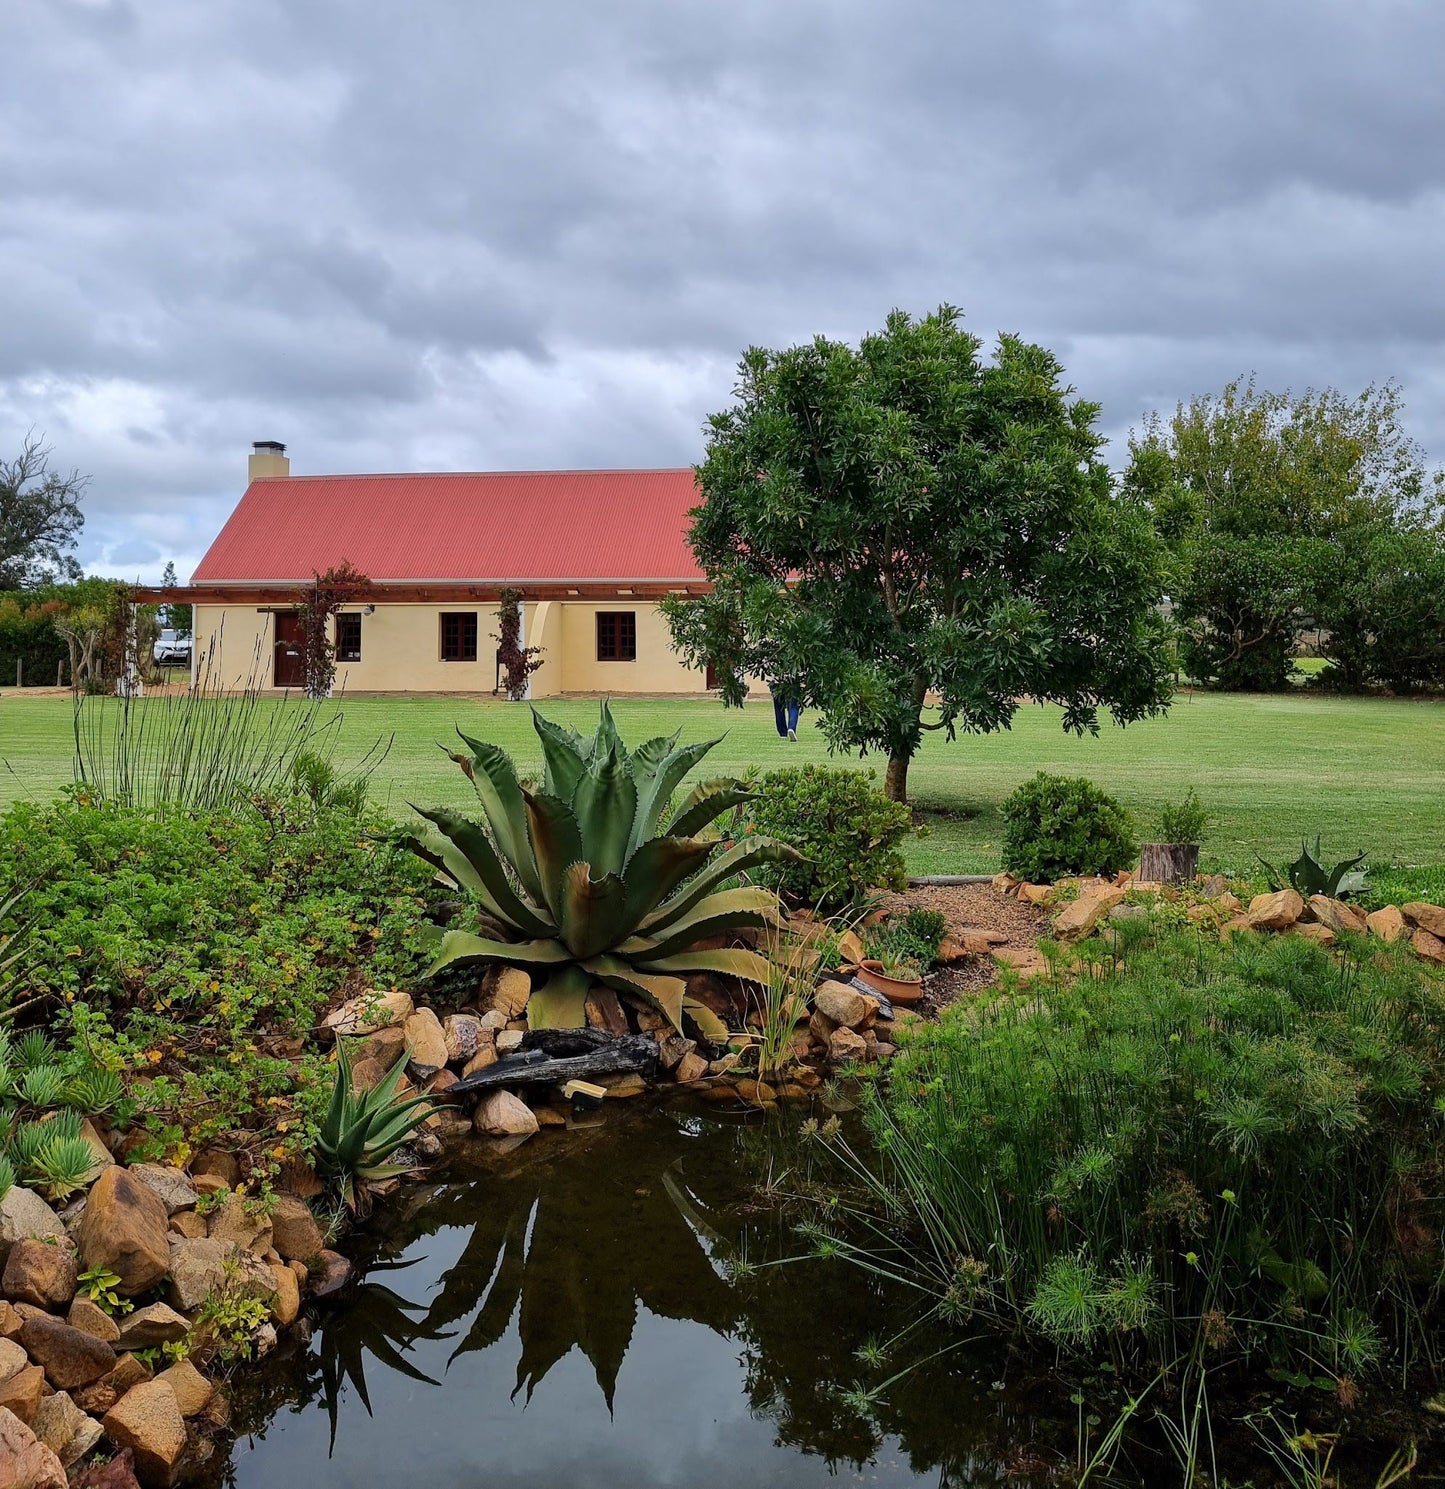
(481, 526)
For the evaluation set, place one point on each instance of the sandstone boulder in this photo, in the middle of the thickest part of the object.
(240, 1223)
(500, 1114)
(25, 1461)
(1426, 916)
(42, 1273)
(485, 1056)
(1428, 947)
(1275, 912)
(1037, 894)
(692, 1067)
(844, 1046)
(175, 1189)
(369, 1012)
(510, 991)
(1336, 914)
(330, 1274)
(147, 1420)
(147, 1327)
(70, 1357)
(509, 1041)
(843, 1005)
(13, 1360)
(197, 1270)
(23, 1392)
(189, 1224)
(427, 1042)
(1387, 923)
(91, 1318)
(192, 1389)
(1314, 931)
(23, 1213)
(1078, 918)
(118, 1473)
(66, 1430)
(124, 1229)
(464, 1036)
(286, 1302)
(294, 1230)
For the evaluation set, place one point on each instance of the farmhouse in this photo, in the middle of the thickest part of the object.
(591, 553)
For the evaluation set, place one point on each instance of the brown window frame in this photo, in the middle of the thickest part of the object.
(345, 653)
(459, 620)
(616, 635)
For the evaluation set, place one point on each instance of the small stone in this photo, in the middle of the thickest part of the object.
(301, 1270)
(69, 1357)
(147, 1420)
(329, 1274)
(118, 1473)
(40, 1272)
(692, 1067)
(176, 1191)
(1321, 935)
(492, 1020)
(23, 1213)
(197, 1270)
(367, 1075)
(1426, 916)
(821, 1027)
(130, 1370)
(427, 1042)
(720, 1093)
(10, 1322)
(124, 1229)
(1080, 916)
(464, 1036)
(1038, 894)
(158, 1323)
(1387, 923)
(509, 1041)
(1428, 947)
(485, 1056)
(623, 1086)
(672, 1047)
(240, 1223)
(439, 1082)
(216, 1163)
(90, 1318)
(549, 1116)
(500, 1114)
(294, 1229)
(13, 1360)
(1337, 915)
(192, 1390)
(370, 1012)
(65, 1429)
(25, 1461)
(510, 992)
(286, 1303)
(843, 1005)
(1275, 912)
(845, 1046)
(188, 1224)
(755, 1092)
(210, 1184)
(23, 1391)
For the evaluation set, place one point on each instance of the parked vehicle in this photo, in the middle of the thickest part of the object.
(172, 648)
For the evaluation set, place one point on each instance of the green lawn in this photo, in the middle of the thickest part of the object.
(1366, 773)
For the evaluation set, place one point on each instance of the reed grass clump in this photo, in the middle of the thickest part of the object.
(1235, 1147)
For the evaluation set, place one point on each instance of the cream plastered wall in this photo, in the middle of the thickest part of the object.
(233, 645)
(401, 650)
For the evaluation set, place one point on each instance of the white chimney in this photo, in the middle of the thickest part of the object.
(268, 458)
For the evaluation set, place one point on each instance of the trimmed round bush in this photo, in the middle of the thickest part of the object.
(1055, 826)
(847, 829)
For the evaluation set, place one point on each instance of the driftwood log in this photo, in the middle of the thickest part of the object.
(1168, 863)
(551, 1056)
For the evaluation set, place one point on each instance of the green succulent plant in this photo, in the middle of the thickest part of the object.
(94, 1090)
(43, 1085)
(581, 882)
(1309, 876)
(362, 1130)
(66, 1164)
(36, 1048)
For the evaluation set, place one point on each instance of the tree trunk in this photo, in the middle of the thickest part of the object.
(1168, 863)
(895, 781)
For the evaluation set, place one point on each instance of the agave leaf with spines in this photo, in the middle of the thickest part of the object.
(579, 882)
(361, 1130)
(1309, 876)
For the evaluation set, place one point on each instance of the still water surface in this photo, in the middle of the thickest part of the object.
(572, 1313)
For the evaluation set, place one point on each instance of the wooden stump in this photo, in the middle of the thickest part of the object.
(1168, 863)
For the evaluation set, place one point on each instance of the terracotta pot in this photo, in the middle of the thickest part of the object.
(895, 989)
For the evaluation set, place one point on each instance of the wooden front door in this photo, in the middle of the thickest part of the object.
(290, 652)
(711, 681)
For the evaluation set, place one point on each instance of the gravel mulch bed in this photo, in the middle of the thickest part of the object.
(978, 907)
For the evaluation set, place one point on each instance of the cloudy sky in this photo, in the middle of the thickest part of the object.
(458, 234)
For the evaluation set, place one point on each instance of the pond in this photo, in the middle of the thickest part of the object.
(611, 1305)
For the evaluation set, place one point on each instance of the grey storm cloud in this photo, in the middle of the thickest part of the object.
(460, 235)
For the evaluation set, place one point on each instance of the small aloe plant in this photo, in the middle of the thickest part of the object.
(1309, 876)
(362, 1130)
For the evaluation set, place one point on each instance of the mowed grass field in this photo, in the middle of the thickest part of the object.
(1365, 773)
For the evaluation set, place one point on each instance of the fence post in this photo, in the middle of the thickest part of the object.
(19, 672)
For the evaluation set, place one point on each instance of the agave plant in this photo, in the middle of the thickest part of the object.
(362, 1130)
(581, 882)
(1309, 876)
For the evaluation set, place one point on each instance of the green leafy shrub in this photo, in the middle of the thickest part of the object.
(186, 945)
(1236, 1137)
(1055, 826)
(908, 944)
(846, 829)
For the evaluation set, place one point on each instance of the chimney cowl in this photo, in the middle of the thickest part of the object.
(268, 447)
(268, 460)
